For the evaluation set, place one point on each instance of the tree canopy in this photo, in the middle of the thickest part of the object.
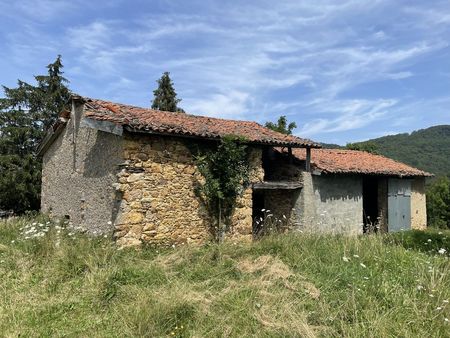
(282, 126)
(438, 203)
(369, 147)
(165, 97)
(25, 113)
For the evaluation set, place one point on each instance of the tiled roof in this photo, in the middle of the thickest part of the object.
(358, 162)
(155, 121)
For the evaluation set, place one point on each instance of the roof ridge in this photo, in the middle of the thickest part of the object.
(170, 112)
(140, 119)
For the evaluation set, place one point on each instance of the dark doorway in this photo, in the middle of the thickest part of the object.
(257, 212)
(370, 204)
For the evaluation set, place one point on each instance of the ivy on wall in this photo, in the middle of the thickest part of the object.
(225, 170)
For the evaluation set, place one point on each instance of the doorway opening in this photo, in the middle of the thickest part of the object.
(370, 204)
(257, 211)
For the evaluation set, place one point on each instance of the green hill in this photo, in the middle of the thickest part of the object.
(427, 149)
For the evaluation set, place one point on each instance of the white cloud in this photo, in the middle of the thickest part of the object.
(351, 114)
(253, 60)
(233, 105)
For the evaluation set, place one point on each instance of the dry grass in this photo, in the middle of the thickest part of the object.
(286, 286)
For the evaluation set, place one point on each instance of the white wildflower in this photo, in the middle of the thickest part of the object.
(429, 240)
(356, 256)
(263, 210)
(442, 251)
(363, 265)
(109, 222)
(284, 216)
(366, 278)
(438, 308)
(13, 241)
(446, 320)
(345, 259)
(420, 287)
(431, 295)
(445, 301)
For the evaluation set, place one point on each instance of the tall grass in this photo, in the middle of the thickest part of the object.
(281, 286)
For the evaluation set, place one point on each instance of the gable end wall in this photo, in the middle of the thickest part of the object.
(79, 170)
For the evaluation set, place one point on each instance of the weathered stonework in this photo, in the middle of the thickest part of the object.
(142, 188)
(157, 194)
(418, 204)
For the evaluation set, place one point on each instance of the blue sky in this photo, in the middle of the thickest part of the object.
(344, 71)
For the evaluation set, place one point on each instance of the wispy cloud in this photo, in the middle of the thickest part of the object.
(336, 68)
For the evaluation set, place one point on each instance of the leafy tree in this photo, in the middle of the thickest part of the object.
(165, 97)
(226, 174)
(438, 203)
(369, 147)
(25, 114)
(282, 126)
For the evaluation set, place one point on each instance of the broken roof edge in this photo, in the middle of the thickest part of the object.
(52, 134)
(173, 130)
(318, 171)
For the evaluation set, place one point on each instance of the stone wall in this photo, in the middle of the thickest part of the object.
(330, 203)
(159, 204)
(78, 173)
(418, 204)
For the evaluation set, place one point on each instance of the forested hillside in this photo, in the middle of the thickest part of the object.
(426, 149)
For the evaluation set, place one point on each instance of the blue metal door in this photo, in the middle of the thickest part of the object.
(399, 204)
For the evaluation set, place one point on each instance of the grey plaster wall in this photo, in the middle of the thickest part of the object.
(330, 203)
(79, 170)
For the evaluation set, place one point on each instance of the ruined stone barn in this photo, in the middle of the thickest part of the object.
(114, 168)
(129, 171)
(348, 191)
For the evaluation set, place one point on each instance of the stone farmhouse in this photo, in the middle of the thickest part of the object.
(130, 172)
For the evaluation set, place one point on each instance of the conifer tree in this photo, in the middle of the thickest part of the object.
(165, 97)
(25, 114)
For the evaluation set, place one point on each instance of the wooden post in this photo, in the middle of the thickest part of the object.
(290, 155)
(308, 159)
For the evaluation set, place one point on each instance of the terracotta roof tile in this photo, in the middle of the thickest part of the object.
(145, 119)
(357, 162)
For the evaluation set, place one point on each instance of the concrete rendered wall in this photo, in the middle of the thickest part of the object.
(330, 204)
(418, 204)
(78, 173)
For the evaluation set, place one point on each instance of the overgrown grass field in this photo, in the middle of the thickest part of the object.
(58, 283)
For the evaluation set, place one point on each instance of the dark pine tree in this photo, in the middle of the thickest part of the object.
(165, 97)
(25, 114)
